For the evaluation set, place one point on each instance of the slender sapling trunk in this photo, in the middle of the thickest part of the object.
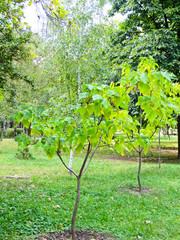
(178, 127)
(140, 155)
(139, 170)
(168, 133)
(160, 148)
(73, 220)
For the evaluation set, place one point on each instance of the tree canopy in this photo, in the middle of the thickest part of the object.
(13, 42)
(152, 28)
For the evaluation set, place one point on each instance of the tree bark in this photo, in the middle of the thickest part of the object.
(75, 209)
(29, 130)
(168, 133)
(160, 148)
(140, 155)
(178, 127)
(139, 170)
(70, 161)
(78, 193)
(15, 132)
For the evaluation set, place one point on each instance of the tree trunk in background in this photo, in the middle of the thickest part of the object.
(159, 148)
(29, 131)
(178, 128)
(168, 133)
(71, 160)
(15, 132)
(139, 171)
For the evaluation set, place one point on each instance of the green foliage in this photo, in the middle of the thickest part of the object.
(23, 154)
(103, 111)
(150, 29)
(9, 133)
(74, 57)
(13, 43)
(99, 118)
(155, 96)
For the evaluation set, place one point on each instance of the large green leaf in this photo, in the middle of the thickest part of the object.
(84, 95)
(143, 77)
(50, 150)
(105, 103)
(79, 148)
(40, 109)
(97, 98)
(25, 123)
(143, 99)
(112, 93)
(69, 129)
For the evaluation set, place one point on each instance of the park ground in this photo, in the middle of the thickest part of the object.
(37, 196)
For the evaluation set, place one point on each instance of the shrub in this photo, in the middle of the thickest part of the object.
(24, 154)
(9, 133)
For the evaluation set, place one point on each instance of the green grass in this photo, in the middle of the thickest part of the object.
(44, 202)
(166, 143)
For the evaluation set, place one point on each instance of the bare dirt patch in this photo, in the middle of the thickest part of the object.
(81, 235)
(134, 190)
(120, 158)
(168, 156)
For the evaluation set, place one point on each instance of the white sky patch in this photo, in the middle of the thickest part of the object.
(117, 17)
(36, 17)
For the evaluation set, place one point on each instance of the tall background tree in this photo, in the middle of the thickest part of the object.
(152, 28)
(13, 43)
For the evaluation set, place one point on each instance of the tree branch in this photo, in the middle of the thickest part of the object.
(100, 120)
(85, 160)
(65, 164)
(92, 155)
(165, 17)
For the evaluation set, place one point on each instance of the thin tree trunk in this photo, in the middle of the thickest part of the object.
(75, 209)
(4, 126)
(140, 155)
(15, 132)
(160, 148)
(164, 132)
(139, 170)
(71, 161)
(168, 133)
(178, 127)
(29, 130)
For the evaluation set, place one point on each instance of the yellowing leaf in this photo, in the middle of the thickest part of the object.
(32, 53)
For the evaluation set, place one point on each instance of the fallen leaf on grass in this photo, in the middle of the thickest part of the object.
(56, 206)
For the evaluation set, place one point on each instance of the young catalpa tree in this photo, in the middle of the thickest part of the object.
(157, 99)
(103, 110)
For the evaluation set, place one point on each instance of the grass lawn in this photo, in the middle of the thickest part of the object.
(44, 201)
(166, 143)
